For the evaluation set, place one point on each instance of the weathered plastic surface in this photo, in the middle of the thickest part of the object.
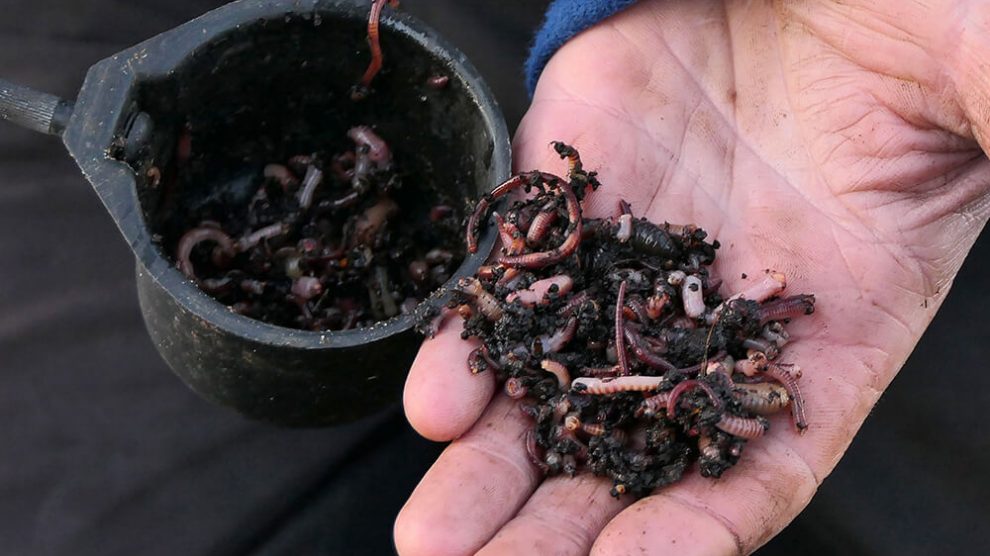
(259, 80)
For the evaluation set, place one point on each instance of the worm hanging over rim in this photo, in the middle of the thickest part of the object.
(597, 386)
(360, 90)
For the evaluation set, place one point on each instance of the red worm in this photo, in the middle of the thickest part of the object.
(645, 354)
(194, 237)
(484, 301)
(762, 398)
(541, 224)
(534, 452)
(788, 307)
(254, 238)
(653, 405)
(620, 344)
(375, 65)
(515, 389)
(378, 150)
(564, 250)
(680, 389)
(597, 386)
(558, 370)
(743, 427)
(574, 303)
(481, 208)
(787, 380)
(512, 241)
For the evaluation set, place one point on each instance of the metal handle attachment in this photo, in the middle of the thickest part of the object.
(33, 109)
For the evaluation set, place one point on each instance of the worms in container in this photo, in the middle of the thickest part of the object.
(614, 337)
(325, 242)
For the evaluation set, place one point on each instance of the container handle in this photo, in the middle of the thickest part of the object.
(33, 109)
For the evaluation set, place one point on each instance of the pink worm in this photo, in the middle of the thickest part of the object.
(597, 386)
(787, 380)
(742, 426)
(377, 148)
(538, 292)
(558, 370)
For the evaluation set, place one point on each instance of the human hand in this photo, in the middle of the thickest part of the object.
(837, 143)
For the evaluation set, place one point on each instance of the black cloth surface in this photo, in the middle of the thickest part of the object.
(106, 452)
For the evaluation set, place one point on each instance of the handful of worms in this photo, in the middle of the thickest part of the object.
(613, 334)
(326, 243)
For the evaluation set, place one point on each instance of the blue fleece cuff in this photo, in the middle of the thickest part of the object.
(564, 19)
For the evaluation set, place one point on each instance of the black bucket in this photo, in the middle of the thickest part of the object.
(252, 82)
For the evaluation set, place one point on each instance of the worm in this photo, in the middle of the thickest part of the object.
(771, 284)
(789, 382)
(558, 370)
(282, 175)
(437, 81)
(194, 237)
(655, 305)
(481, 208)
(254, 238)
(541, 223)
(755, 363)
(484, 301)
(361, 90)
(565, 249)
(573, 158)
(378, 150)
(306, 288)
(312, 180)
(515, 389)
(620, 345)
(372, 220)
(555, 342)
(534, 452)
(625, 228)
(743, 427)
(574, 303)
(786, 308)
(680, 389)
(645, 354)
(597, 386)
(694, 300)
(762, 398)
(513, 242)
(654, 405)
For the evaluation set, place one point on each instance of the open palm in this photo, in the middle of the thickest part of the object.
(826, 141)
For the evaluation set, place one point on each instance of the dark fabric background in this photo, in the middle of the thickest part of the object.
(104, 452)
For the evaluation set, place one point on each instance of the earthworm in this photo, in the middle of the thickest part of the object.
(534, 452)
(154, 176)
(558, 370)
(786, 308)
(763, 398)
(310, 182)
(541, 223)
(774, 332)
(755, 363)
(372, 220)
(306, 288)
(251, 240)
(538, 292)
(645, 354)
(484, 301)
(482, 207)
(636, 306)
(360, 91)
(555, 342)
(655, 305)
(574, 303)
(620, 345)
(513, 242)
(743, 427)
(597, 386)
(378, 150)
(680, 389)
(282, 175)
(771, 284)
(789, 382)
(515, 389)
(694, 300)
(437, 81)
(625, 228)
(573, 158)
(564, 250)
(388, 303)
(195, 236)
(653, 405)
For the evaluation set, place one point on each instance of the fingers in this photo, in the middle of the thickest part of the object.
(476, 486)
(564, 516)
(735, 514)
(442, 398)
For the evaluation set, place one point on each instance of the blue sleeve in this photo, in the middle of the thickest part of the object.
(564, 19)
